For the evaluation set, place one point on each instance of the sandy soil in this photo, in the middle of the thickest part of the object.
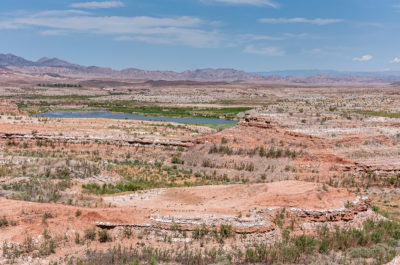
(235, 198)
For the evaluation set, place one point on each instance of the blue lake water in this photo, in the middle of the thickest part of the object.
(114, 115)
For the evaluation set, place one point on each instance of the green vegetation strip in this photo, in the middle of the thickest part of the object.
(34, 103)
(228, 113)
(379, 113)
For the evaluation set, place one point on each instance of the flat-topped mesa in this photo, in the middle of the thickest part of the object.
(6, 106)
(257, 121)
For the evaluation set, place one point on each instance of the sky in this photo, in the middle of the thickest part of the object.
(178, 35)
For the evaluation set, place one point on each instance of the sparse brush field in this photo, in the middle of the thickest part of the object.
(48, 168)
(374, 241)
(104, 191)
(140, 176)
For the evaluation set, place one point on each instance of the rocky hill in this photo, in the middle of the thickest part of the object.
(60, 68)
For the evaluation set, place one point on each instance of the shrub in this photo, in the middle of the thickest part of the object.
(177, 160)
(90, 234)
(127, 231)
(305, 244)
(262, 151)
(77, 238)
(46, 216)
(78, 213)
(200, 232)
(104, 236)
(379, 252)
(208, 163)
(225, 231)
(3, 222)
(48, 246)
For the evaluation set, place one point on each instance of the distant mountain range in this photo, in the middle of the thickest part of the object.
(331, 73)
(63, 68)
(58, 68)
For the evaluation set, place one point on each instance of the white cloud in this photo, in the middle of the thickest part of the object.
(95, 5)
(364, 58)
(314, 51)
(247, 2)
(52, 32)
(395, 60)
(247, 38)
(325, 51)
(296, 36)
(9, 25)
(190, 37)
(61, 13)
(183, 30)
(264, 50)
(317, 21)
(254, 37)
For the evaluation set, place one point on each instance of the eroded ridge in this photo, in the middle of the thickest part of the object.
(257, 221)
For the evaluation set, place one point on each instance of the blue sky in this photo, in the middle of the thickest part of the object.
(250, 35)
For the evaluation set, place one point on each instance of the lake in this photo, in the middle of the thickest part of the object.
(122, 116)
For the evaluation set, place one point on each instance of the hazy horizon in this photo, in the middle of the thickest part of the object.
(249, 35)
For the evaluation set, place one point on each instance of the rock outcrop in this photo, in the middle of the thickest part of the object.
(113, 141)
(346, 213)
(257, 121)
(259, 221)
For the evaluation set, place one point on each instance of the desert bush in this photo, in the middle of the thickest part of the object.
(77, 238)
(4, 171)
(177, 160)
(3, 222)
(90, 234)
(39, 190)
(46, 216)
(226, 231)
(374, 241)
(11, 251)
(127, 232)
(379, 252)
(110, 188)
(78, 213)
(104, 236)
(200, 232)
(208, 163)
(48, 246)
(222, 149)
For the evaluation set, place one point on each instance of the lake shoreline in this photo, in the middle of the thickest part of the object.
(124, 116)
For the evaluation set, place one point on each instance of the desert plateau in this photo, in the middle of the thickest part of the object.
(199, 132)
(301, 175)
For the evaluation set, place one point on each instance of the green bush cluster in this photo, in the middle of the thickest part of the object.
(110, 188)
(104, 236)
(58, 85)
(38, 190)
(270, 153)
(374, 240)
